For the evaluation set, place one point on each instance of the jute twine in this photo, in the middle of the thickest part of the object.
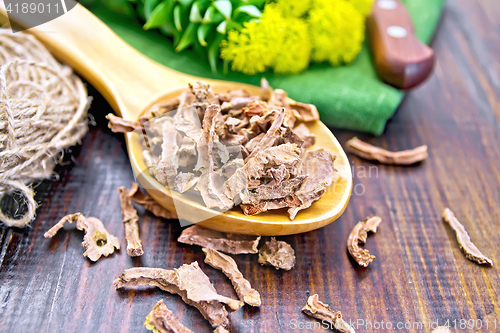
(43, 110)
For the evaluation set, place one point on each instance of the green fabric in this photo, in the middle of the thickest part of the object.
(347, 97)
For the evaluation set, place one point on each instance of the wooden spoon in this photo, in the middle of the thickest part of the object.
(131, 83)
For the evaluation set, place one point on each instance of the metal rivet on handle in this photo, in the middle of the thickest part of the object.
(387, 4)
(396, 31)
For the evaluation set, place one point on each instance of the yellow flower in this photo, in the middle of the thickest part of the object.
(294, 8)
(253, 49)
(363, 6)
(295, 53)
(336, 30)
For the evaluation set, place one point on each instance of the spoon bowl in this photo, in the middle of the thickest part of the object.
(131, 83)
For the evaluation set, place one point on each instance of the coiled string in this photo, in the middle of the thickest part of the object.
(43, 110)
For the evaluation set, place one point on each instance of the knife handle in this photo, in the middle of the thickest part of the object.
(400, 58)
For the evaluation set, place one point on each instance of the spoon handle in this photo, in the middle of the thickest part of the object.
(400, 58)
(126, 78)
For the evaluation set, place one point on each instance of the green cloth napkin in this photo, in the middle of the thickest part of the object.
(347, 96)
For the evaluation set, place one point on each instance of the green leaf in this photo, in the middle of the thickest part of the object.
(185, 3)
(224, 7)
(197, 10)
(250, 10)
(167, 29)
(188, 37)
(178, 18)
(221, 28)
(160, 15)
(213, 52)
(149, 6)
(212, 15)
(140, 11)
(177, 37)
(199, 49)
(195, 14)
(202, 33)
(119, 6)
(232, 25)
(258, 3)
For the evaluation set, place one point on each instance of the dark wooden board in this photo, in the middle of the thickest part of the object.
(419, 276)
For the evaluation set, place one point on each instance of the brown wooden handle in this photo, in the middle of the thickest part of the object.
(400, 58)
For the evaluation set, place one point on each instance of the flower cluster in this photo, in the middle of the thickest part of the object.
(255, 47)
(291, 33)
(336, 29)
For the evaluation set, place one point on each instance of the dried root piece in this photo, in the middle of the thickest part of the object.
(278, 97)
(306, 112)
(303, 132)
(319, 310)
(317, 166)
(190, 283)
(272, 191)
(160, 108)
(162, 320)
(278, 254)
(130, 218)
(358, 236)
(169, 161)
(150, 204)
(228, 266)
(255, 169)
(229, 243)
(471, 251)
(184, 181)
(270, 136)
(441, 329)
(120, 125)
(97, 240)
(255, 108)
(211, 184)
(369, 152)
(203, 93)
(264, 206)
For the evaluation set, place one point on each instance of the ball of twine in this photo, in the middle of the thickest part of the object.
(43, 110)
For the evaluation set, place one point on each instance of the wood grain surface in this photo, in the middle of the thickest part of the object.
(419, 275)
